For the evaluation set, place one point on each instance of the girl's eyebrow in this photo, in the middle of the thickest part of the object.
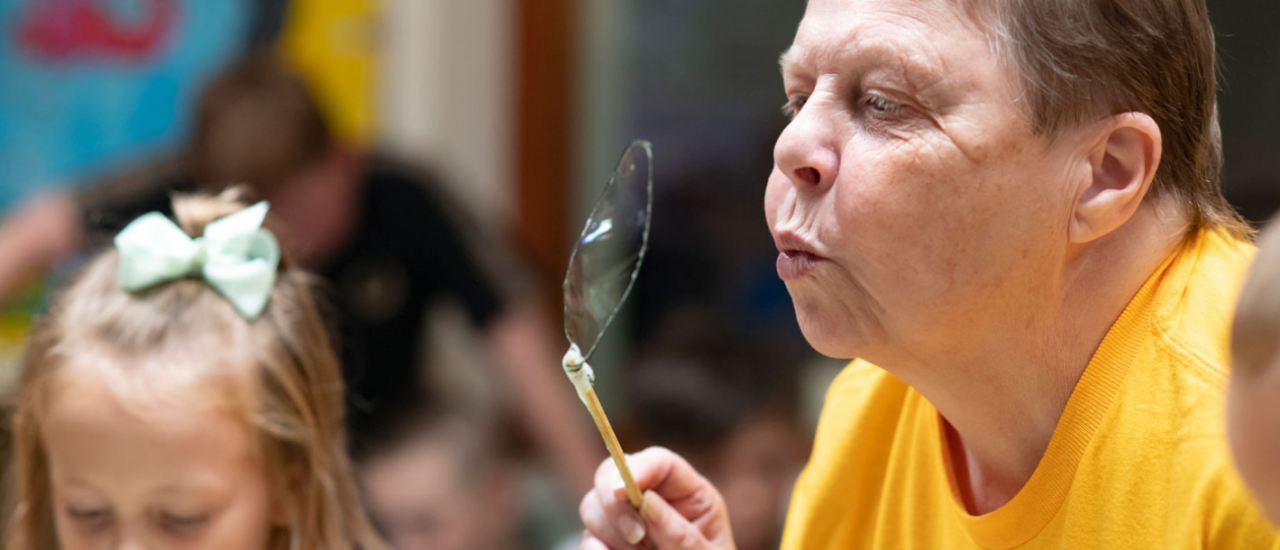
(187, 487)
(76, 482)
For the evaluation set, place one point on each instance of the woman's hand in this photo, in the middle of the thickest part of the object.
(681, 509)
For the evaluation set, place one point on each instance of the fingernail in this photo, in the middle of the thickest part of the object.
(632, 530)
(649, 506)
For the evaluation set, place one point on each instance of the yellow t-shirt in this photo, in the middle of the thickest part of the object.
(1138, 459)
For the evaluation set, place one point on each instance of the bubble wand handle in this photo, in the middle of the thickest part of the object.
(583, 377)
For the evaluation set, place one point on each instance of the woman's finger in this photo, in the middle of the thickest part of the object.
(682, 509)
(600, 526)
(590, 542)
(666, 472)
(680, 485)
(612, 496)
(668, 529)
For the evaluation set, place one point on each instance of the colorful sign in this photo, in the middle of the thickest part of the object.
(89, 84)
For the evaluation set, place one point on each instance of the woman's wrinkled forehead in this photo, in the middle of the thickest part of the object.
(928, 45)
(899, 27)
(830, 50)
(968, 12)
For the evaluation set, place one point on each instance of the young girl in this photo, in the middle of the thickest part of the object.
(183, 393)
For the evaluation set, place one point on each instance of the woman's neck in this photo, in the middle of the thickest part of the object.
(1002, 397)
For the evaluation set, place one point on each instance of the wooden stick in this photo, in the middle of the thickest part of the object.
(615, 448)
(583, 378)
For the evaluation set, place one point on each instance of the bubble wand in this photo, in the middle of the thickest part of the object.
(602, 269)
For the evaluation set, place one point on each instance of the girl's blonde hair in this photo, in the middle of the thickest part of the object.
(297, 403)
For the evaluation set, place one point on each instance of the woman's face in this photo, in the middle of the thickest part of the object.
(910, 200)
(166, 465)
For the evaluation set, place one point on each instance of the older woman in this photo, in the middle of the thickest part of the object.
(968, 200)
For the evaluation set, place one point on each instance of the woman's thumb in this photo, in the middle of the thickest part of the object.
(668, 529)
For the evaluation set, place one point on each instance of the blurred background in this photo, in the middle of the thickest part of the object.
(507, 116)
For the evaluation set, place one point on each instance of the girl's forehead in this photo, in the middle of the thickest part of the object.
(154, 388)
(173, 439)
(105, 407)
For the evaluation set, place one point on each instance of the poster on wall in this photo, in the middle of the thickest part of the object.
(88, 84)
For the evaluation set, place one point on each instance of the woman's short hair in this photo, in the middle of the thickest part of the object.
(1081, 60)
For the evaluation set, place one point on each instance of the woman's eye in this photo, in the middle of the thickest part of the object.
(880, 104)
(793, 105)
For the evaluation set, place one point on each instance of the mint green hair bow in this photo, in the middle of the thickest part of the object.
(236, 256)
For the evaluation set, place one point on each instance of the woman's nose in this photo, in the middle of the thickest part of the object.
(806, 153)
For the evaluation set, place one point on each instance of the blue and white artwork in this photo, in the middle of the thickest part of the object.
(86, 85)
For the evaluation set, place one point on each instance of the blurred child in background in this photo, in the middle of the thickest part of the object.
(435, 479)
(717, 402)
(184, 393)
(1253, 409)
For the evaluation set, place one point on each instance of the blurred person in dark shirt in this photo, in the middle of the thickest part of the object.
(435, 478)
(388, 246)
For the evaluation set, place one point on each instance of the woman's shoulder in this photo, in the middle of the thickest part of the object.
(861, 380)
(864, 401)
(1194, 313)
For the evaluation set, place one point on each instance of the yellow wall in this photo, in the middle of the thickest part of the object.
(333, 43)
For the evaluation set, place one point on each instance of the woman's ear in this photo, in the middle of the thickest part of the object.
(1123, 164)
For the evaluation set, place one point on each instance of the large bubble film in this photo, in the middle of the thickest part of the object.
(608, 254)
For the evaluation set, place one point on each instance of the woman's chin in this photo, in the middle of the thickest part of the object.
(835, 338)
(834, 324)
